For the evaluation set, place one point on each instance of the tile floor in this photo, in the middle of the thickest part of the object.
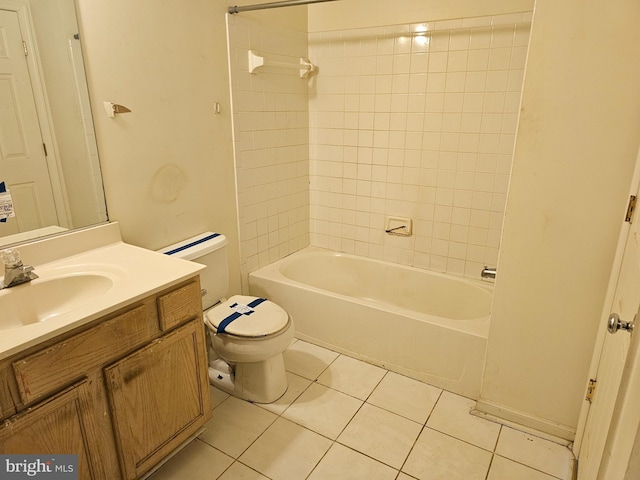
(345, 419)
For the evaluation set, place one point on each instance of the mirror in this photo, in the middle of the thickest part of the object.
(48, 154)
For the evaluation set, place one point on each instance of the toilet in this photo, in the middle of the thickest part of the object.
(247, 335)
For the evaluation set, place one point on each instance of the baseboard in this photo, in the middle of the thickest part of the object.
(556, 432)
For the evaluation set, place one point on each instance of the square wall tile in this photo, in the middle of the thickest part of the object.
(381, 97)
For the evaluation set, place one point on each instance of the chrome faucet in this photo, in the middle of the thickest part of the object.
(488, 272)
(15, 272)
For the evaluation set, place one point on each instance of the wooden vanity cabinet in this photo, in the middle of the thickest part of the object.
(157, 397)
(61, 424)
(122, 393)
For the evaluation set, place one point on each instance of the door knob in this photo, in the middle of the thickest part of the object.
(614, 324)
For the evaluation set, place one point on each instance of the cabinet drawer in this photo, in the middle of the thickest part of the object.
(62, 363)
(180, 305)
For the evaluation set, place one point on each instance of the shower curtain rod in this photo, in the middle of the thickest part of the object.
(264, 6)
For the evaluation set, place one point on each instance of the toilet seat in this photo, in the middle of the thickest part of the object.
(259, 320)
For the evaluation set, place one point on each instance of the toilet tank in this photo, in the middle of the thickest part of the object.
(209, 249)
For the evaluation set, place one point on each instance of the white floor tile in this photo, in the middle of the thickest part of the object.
(235, 424)
(342, 463)
(238, 471)
(437, 456)
(290, 439)
(451, 416)
(297, 385)
(351, 376)
(505, 469)
(217, 396)
(323, 410)
(196, 461)
(380, 434)
(308, 360)
(548, 457)
(405, 396)
(286, 451)
(404, 476)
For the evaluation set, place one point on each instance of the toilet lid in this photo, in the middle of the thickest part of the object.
(248, 316)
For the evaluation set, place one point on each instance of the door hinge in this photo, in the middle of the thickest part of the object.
(24, 46)
(591, 390)
(630, 208)
(44, 147)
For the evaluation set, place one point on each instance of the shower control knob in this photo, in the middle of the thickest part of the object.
(614, 324)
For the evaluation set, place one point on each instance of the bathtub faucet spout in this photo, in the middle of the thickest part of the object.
(488, 272)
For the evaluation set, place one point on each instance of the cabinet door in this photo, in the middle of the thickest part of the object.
(159, 397)
(59, 425)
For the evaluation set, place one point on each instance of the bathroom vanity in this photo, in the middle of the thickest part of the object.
(124, 385)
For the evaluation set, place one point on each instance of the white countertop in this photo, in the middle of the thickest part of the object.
(135, 273)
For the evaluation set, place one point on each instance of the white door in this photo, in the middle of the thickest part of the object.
(609, 430)
(23, 164)
(622, 441)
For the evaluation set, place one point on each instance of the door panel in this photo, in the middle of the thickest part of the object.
(22, 158)
(600, 437)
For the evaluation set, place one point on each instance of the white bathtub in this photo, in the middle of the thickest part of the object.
(426, 325)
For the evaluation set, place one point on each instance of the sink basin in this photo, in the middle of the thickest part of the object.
(49, 297)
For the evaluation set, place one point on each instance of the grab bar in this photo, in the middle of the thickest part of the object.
(488, 272)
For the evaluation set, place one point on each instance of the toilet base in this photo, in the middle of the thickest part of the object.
(221, 375)
(259, 382)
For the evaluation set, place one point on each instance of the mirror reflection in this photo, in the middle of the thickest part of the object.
(49, 162)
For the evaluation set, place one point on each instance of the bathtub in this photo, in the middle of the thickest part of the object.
(429, 326)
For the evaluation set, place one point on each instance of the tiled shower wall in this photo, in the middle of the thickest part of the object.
(271, 141)
(415, 121)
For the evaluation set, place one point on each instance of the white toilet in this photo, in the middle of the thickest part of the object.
(247, 334)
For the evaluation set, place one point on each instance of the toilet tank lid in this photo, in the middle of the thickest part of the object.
(197, 246)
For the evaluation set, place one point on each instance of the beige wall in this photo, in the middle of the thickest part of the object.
(367, 13)
(290, 17)
(169, 172)
(168, 165)
(576, 145)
